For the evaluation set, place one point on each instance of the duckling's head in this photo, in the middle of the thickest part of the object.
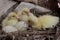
(12, 15)
(24, 11)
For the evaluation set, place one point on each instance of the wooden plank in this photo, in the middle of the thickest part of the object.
(31, 6)
(24, 5)
(5, 5)
(32, 1)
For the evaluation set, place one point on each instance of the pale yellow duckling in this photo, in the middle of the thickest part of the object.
(10, 19)
(23, 14)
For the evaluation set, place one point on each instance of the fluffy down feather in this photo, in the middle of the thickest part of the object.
(22, 26)
(9, 29)
(45, 21)
(48, 21)
(26, 10)
(33, 18)
(12, 22)
(34, 21)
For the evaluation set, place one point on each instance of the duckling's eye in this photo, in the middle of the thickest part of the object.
(13, 16)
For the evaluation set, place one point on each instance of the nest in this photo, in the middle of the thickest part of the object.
(30, 34)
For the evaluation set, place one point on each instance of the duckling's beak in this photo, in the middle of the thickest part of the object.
(18, 17)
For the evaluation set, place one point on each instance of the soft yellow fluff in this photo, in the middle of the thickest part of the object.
(21, 25)
(34, 21)
(48, 21)
(26, 10)
(9, 29)
(32, 17)
(11, 14)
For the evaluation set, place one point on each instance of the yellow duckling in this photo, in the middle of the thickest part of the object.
(23, 14)
(34, 21)
(10, 19)
(9, 23)
(48, 21)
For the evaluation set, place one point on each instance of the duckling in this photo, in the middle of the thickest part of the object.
(48, 21)
(34, 21)
(9, 23)
(23, 14)
(10, 19)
